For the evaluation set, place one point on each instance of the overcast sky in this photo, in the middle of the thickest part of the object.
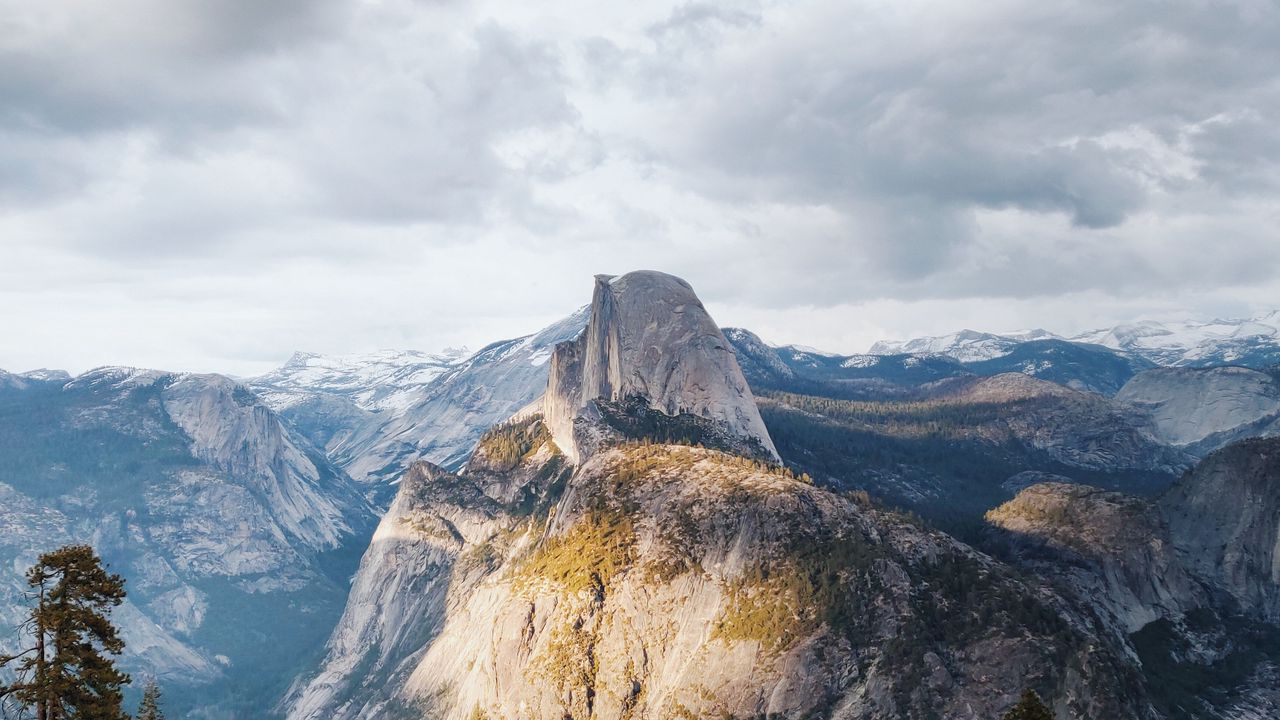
(212, 184)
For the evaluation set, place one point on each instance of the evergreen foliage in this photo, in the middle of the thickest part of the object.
(596, 547)
(507, 445)
(149, 707)
(1030, 707)
(67, 673)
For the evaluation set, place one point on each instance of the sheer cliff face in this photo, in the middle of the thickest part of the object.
(1212, 539)
(1112, 548)
(649, 336)
(399, 596)
(593, 563)
(1225, 521)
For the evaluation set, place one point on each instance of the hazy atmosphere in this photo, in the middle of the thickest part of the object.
(213, 185)
(683, 360)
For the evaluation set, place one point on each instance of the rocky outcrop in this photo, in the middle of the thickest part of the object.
(399, 596)
(676, 580)
(668, 581)
(649, 336)
(1110, 547)
(1213, 539)
(1224, 518)
(1203, 409)
(644, 574)
(1189, 581)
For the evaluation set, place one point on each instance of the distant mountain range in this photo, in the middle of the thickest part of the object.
(384, 380)
(236, 509)
(374, 415)
(1253, 342)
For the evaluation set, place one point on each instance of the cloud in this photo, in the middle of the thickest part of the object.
(932, 114)
(398, 172)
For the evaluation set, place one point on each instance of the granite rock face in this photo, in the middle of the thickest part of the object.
(1224, 518)
(1203, 409)
(1211, 539)
(398, 598)
(1112, 547)
(1189, 581)
(668, 581)
(687, 589)
(649, 336)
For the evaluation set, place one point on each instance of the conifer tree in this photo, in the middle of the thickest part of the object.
(1029, 707)
(67, 673)
(149, 708)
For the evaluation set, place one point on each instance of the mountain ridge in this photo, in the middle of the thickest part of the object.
(221, 519)
(1252, 342)
(640, 575)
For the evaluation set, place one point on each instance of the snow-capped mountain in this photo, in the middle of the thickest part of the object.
(447, 418)
(965, 346)
(47, 374)
(792, 368)
(228, 527)
(1252, 342)
(328, 398)
(374, 414)
(383, 380)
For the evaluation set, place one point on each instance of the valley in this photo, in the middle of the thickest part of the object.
(633, 513)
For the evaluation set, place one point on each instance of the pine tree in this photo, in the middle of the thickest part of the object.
(67, 673)
(149, 708)
(1029, 707)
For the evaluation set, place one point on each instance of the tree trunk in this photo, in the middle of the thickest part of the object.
(41, 681)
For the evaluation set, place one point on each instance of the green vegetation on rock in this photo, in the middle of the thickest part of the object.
(596, 547)
(505, 446)
(1029, 707)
